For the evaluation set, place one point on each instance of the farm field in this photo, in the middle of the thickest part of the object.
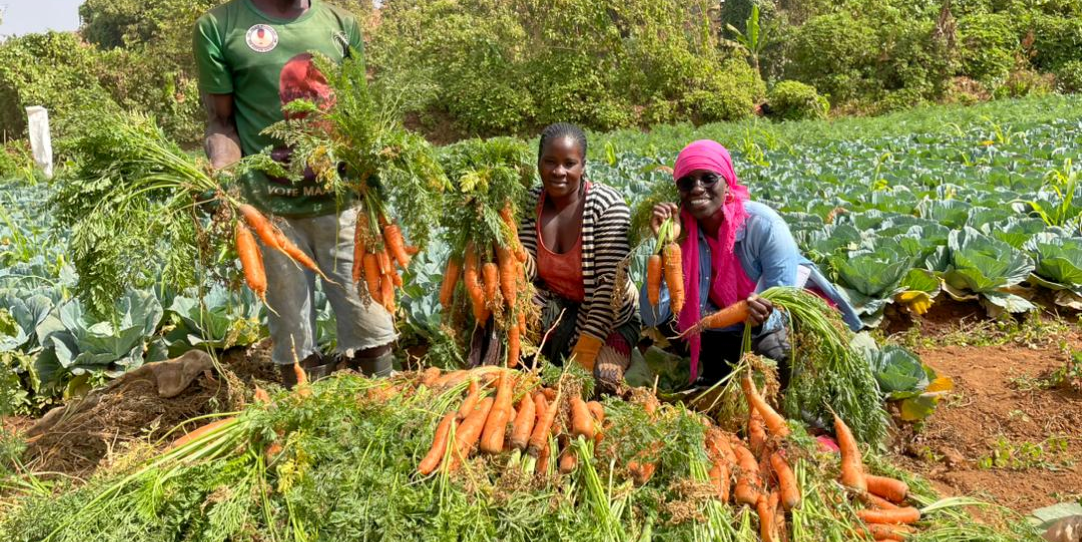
(957, 238)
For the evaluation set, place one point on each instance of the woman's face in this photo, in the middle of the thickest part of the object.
(702, 193)
(561, 165)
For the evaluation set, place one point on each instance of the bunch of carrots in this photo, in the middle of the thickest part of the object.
(251, 258)
(491, 421)
(666, 260)
(494, 288)
(378, 244)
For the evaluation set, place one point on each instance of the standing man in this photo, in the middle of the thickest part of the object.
(254, 56)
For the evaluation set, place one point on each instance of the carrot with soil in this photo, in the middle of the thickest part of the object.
(890, 489)
(852, 465)
(524, 421)
(774, 422)
(496, 426)
(450, 280)
(251, 261)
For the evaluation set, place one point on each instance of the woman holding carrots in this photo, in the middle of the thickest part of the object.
(731, 248)
(575, 239)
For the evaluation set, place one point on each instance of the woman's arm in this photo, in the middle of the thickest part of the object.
(527, 235)
(610, 248)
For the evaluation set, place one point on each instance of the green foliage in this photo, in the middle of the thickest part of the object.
(834, 53)
(989, 44)
(502, 67)
(54, 70)
(1025, 82)
(793, 100)
(1056, 41)
(1069, 77)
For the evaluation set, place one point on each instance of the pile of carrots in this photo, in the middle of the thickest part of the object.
(493, 287)
(376, 250)
(493, 425)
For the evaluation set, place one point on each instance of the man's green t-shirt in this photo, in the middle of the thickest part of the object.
(265, 62)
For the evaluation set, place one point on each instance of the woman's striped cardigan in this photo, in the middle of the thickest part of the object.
(606, 220)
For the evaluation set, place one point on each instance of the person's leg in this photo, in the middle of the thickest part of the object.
(290, 315)
(719, 350)
(558, 318)
(365, 332)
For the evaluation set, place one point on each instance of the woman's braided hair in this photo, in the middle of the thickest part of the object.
(562, 129)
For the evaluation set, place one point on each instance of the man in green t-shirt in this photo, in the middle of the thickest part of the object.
(253, 57)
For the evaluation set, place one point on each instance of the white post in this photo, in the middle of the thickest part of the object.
(41, 143)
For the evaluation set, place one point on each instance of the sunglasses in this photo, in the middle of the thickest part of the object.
(686, 184)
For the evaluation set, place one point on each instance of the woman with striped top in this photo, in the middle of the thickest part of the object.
(576, 239)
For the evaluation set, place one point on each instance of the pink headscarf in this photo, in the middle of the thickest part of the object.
(730, 283)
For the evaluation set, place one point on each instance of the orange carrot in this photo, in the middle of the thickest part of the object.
(875, 501)
(387, 294)
(582, 422)
(790, 493)
(522, 322)
(473, 395)
(428, 378)
(439, 446)
(251, 261)
(396, 279)
(596, 410)
(289, 248)
(491, 274)
(756, 433)
(539, 439)
(371, 278)
(641, 471)
(260, 395)
(496, 426)
(470, 430)
(473, 286)
(898, 515)
(396, 244)
(852, 466)
(729, 316)
(508, 268)
(543, 457)
(884, 531)
(360, 233)
(747, 479)
(767, 532)
(715, 475)
(199, 432)
(674, 276)
(450, 279)
(514, 345)
(384, 261)
(568, 460)
(888, 488)
(774, 421)
(260, 224)
(302, 377)
(549, 393)
(653, 279)
(527, 413)
(508, 216)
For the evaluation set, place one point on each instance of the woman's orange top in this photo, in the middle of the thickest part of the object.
(561, 273)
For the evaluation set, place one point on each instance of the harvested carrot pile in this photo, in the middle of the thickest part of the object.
(496, 453)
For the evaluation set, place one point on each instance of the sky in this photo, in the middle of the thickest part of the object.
(27, 16)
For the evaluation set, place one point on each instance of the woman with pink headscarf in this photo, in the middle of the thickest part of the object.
(732, 248)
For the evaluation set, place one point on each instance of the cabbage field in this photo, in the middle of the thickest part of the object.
(979, 207)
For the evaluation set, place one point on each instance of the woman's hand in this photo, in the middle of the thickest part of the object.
(663, 211)
(759, 309)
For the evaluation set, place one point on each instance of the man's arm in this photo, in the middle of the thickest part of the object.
(221, 141)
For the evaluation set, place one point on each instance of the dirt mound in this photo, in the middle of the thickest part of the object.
(140, 406)
(1001, 434)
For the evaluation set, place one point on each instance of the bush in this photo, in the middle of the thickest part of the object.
(988, 46)
(1069, 77)
(793, 100)
(835, 53)
(1025, 82)
(1056, 41)
(503, 67)
(54, 70)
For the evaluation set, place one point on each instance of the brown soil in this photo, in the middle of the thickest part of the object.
(92, 433)
(997, 405)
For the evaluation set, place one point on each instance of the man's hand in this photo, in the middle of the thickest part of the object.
(759, 309)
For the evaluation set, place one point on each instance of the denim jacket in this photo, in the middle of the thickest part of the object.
(767, 251)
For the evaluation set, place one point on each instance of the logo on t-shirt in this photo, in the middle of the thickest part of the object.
(262, 38)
